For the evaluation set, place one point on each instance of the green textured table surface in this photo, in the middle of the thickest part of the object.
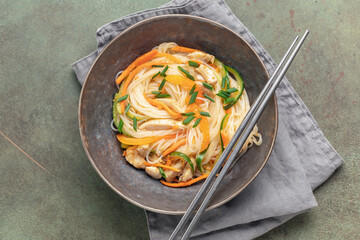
(48, 189)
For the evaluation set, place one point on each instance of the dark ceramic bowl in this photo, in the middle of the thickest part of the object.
(95, 110)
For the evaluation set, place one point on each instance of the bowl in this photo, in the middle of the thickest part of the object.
(95, 109)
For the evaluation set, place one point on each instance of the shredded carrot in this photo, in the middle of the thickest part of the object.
(174, 147)
(168, 160)
(124, 153)
(161, 165)
(183, 49)
(225, 138)
(140, 60)
(185, 184)
(161, 105)
(133, 73)
(142, 141)
(200, 94)
(168, 56)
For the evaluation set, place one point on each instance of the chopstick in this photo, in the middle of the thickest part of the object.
(236, 143)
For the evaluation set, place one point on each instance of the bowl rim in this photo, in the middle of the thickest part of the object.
(169, 212)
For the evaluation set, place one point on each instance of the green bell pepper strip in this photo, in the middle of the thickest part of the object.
(199, 159)
(162, 172)
(183, 156)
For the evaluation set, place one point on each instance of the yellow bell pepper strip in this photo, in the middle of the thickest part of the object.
(142, 141)
(140, 60)
(169, 56)
(204, 128)
(185, 184)
(147, 164)
(161, 105)
(174, 147)
(180, 80)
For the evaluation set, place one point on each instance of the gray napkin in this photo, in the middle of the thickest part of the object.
(302, 158)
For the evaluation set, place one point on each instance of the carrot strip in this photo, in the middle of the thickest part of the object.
(142, 141)
(185, 184)
(133, 73)
(161, 165)
(140, 60)
(168, 56)
(183, 49)
(174, 147)
(225, 138)
(161, 105)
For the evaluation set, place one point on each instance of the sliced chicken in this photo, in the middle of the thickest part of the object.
(170, 175)
(199, 77)
(207, 73)
(187, 174)
(202, 56)
(154, 172)
(159, 124)
(135, 157)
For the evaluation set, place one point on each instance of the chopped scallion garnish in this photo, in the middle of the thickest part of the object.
(121, 124)
(162, 95)
(157, 65)
(193, 64)
(225, 93)
(193, 97)
(162, 84)
(220, 94)
(127, 108)
(135, 123)
(208, 86)
(188, 114)
(229, 100)
(206, 114)
(192, 89)
(123, 98)
(188, 75)
(157, 74)
(156, 92)
(196, 122)
(164, 71)
(231, 90)
(206, 96)
(188, 120)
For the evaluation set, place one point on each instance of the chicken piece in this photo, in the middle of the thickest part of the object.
(170, 175)
(159, 124)
(199, 77)
(187, 174)
(136, 155)
(202, 56)
(154, 172)
(207, 73)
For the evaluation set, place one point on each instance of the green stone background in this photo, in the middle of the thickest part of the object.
(39, 100)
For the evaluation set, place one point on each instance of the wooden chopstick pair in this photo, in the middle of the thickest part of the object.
(211, 184)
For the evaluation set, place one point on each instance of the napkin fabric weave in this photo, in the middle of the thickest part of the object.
(301, 160)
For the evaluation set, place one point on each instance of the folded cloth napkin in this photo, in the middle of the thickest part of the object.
(301, 160)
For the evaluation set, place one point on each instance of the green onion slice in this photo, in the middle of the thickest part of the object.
(123, 98)
(162, 95)
(135, 123)
(192, 89)
(162, 84)
(188, 114)
(196, 122)
(208, 86)
(206, 114)
(193, 97)
(188, 120)
(206, 96)
(164, 71)
(162, 172)
(193, 64)
(127, 108)
(199, 159)
(188, 75)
